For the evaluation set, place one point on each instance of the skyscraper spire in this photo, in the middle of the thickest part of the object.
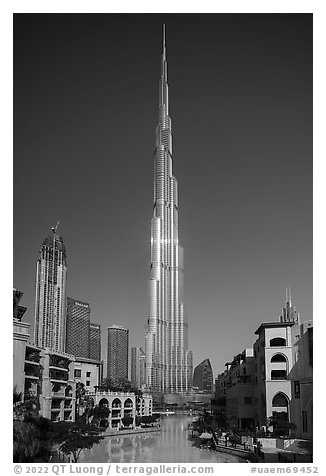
(289, 313)
(164, 49)
(168, 361)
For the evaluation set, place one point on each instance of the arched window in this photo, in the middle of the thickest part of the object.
(116, 403)
(56, 387)
(277, 342)
(278, 374)
(68, 391)
(280, 400)
(128, 403)
(103, 402)
(278, 358)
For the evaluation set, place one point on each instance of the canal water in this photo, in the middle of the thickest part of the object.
(170, 445)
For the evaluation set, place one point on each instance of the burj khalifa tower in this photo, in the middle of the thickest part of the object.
(168, 360)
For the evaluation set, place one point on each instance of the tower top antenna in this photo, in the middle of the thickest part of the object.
(163, 41)
(54, 228)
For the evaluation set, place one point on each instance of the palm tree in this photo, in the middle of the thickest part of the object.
(30, 431)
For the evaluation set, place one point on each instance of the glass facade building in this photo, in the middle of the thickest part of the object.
(137, 367)
(50, 296)
(118, 346)
(95, 341)
(168, 361)
(203, 377)
(77, 328)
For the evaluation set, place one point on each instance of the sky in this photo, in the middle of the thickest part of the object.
(85, 111)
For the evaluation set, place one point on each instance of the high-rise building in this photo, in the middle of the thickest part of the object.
(137, 367)
(289, 312)
(94, 341)
(50, 298)
(168, 361)
(118, 346)
(203, 376)
(77, 328)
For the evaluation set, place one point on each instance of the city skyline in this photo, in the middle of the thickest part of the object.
(242, 113)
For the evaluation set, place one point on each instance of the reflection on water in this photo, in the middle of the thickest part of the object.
(170, 445)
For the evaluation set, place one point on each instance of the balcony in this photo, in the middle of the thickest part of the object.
(278, 375)
(67, 416)
(32, 362)
(59, 363)
(32, 377)
(58, 375)
(55, 405)
(32, 356)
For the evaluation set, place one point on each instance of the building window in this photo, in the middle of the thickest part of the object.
(77, 373)
(277, 342)
(248, 400)
(278, 374)
(310, 346)
(278, 358)
(304, 421)
(88, 374)
(88, 383)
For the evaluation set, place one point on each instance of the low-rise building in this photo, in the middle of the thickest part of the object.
(20, 339)
(301, 376)
(58, 394)
(120, 404)
(283, 375)
(33, 372)
(89, 372)
(239, 392)
(144, 405)
(273, 356)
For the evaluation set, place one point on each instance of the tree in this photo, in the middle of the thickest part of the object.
(138, 420)
(99, 414)
(80, 395)
(74, 437)
(281, 427)
(146, 419)
(30, 431)
(17, 396)
(127, 421)
(121, 384)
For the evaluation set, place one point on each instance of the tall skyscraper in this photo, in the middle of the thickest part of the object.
(168, 361)
(203, 376)
(77, 328)
(50, 298)
(118, 347)
(94, 341)
(137, 367)
(289, 312)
